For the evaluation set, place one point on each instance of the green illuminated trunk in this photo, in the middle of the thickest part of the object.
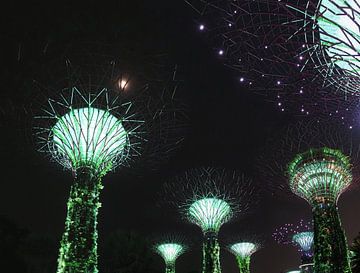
(78, 250)
(170, 268)
(243, 264)
(330, 246)
(211, 254)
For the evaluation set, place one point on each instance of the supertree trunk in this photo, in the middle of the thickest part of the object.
(170, 268)
(211, 254)
(78, 250)
(330, 247)
(243, 264)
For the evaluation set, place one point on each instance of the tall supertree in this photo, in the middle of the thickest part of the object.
(170, 248)
(210, 198)
(278, 48)
(243, 251)
(300, 235)
(91, 129)
(318, 170)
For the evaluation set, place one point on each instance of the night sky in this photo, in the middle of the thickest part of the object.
(228, 128)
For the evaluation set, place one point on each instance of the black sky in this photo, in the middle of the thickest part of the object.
(229, 126)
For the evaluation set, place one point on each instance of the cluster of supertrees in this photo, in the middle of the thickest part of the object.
(95, 124)
(209, 198)
(304, 54)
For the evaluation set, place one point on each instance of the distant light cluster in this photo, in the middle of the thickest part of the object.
(300, 235)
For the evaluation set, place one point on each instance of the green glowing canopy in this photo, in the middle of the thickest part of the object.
(89, 137)
(170, 251)
(304, 240)
(209, 213)
(244, 249)
(338, 22)
(320, 175)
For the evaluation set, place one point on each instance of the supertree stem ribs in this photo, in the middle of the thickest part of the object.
(243, 264)
(211, 254)
(170, 268)
(329, 241)
(78, 251)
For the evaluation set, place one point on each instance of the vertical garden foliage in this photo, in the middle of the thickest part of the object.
(78, 250)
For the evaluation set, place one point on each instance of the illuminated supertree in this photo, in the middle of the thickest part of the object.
(330, 31)
(243, 251)
(170, 248)
(210, 198)
(300, 235)
(273, 47)
(91, 130)
(319, 172)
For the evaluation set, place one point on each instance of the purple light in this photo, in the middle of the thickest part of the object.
(201, 27)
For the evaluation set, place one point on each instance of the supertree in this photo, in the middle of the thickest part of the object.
(243, 250)
(273, 49)
(210, 198)
(300, 235)
(170, 248)
(318, 170)
(91, 129)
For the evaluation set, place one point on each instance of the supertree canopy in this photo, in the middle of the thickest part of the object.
(318, 168)
(300, 235)
(320, 176)
(274, 48)
(209, 198)
(243, 251)
(170, 248)
(331, 34)
(91, 128)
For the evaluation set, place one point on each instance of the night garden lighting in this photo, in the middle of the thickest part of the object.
(300, 235)
(209, 198)
(104, 113)
(316, 165)
(332, 38)
(91, 134)
(243, 252)
(320, 176)
(170, 249)
(298, 53)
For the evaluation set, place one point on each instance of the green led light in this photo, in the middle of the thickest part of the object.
(294, 271)
(170, 252)
(339, 32)
(244, 249)
(320, 175)
(209, 213)
(89, 137)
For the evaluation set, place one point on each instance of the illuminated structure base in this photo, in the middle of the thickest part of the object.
(78, 250)
(330, 247)
(243, 264)
(170, 268)
(307, 268)
(211, 254)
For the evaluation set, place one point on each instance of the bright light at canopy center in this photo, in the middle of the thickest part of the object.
(339, 22)
(89, 137)
(243, 249)
(170, 252)
(304, 239)
(210, 213)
